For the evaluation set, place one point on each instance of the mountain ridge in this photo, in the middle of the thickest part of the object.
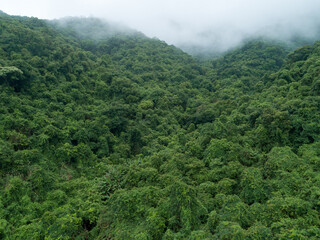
(131, 138)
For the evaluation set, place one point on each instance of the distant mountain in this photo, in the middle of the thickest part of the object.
(2, 13)
(91, 28)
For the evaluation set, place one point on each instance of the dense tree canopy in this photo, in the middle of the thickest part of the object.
(126, 137)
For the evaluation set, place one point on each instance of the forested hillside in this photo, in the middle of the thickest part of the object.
(126, 137)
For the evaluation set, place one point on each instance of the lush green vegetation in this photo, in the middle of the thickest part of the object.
(129, 138)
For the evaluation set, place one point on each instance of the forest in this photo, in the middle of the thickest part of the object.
(120, 136)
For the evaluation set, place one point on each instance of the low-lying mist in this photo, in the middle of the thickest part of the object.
(202, 26)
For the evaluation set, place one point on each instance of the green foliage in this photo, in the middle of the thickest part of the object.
(10, 75)
(117, 136)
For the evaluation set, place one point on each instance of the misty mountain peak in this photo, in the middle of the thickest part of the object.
(91, 28)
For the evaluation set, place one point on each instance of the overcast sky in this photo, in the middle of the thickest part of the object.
(222, 23)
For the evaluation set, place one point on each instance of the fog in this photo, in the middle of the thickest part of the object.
(216, 25)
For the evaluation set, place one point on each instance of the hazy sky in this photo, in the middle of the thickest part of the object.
(217, 22)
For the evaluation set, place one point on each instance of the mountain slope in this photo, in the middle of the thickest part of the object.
(129, 138)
